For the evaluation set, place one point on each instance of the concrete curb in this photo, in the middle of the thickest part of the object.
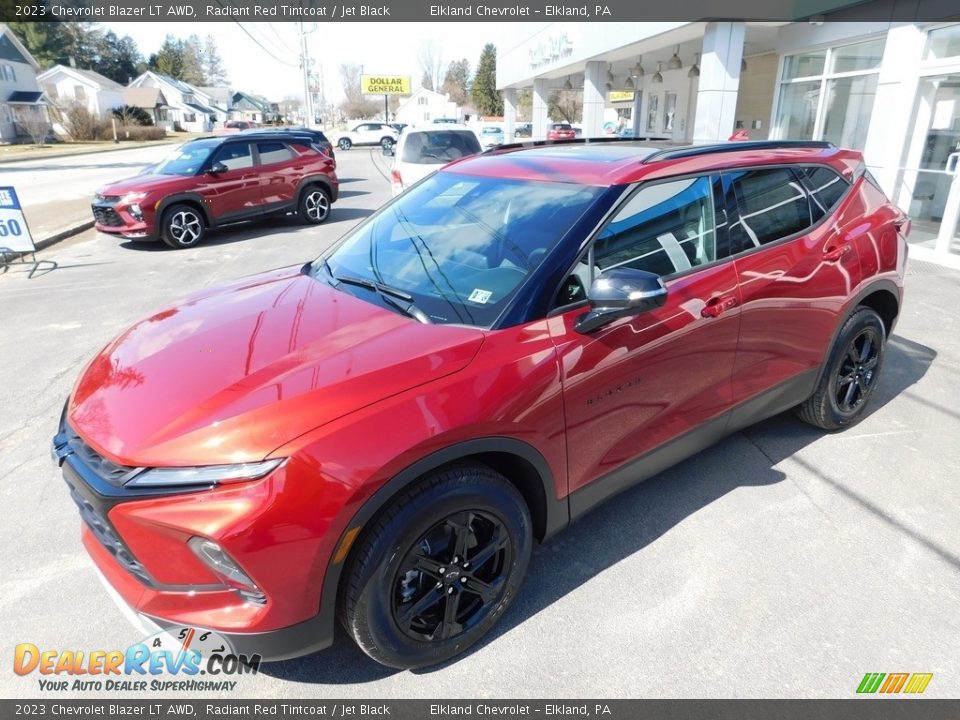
(63, 234)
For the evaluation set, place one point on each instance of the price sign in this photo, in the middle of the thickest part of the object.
(14, 233)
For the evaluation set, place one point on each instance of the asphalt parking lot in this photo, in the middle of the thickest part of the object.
(780, 563)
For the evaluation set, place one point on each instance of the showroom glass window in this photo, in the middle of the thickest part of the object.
(828, 94)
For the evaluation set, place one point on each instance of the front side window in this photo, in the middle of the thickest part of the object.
(235, 156)
(459, 245)
(664, 228)
(772, 205)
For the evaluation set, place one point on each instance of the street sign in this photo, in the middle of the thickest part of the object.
(385, 84)
(14, 233)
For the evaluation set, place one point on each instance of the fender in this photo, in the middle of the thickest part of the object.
(556, 512)
(319, 179)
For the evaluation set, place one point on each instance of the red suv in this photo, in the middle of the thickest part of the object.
(561, 131)
(380, 436)
(213, 181)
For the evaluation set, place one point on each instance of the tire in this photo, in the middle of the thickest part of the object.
(314, 206)
(344, 144)
(182, 226)
(850, 374)
(414, 596)
(386, 142)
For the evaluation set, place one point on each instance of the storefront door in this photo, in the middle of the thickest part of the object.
(929, 187)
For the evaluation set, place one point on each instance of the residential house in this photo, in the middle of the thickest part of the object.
(65, 85)
(152, 101)
(425, 106)
(221, 97)
(189, 107)
(21, 99)
(254, 109)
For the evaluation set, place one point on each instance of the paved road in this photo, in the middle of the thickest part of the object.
(782, 562)
(67, 178)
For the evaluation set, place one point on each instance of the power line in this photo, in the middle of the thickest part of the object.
(259, 44)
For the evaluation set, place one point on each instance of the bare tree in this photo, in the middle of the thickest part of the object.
(34, 121)
(355, 105)
(431, 62)
(565, 105)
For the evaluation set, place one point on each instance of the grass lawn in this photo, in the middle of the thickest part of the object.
(28, 152)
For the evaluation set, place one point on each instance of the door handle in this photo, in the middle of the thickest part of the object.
(717, 305)
(951, 166)
(835, 252)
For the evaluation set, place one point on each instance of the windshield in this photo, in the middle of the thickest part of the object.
(186, 159)
(460, 246)
(438, 147)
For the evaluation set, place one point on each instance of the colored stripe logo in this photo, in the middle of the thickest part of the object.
(892, 683)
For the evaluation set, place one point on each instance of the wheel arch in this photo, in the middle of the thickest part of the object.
(321, 180)
(882, 296)
(192, 199)
(521, 463)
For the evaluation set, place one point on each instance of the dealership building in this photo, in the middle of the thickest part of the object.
(889, 89)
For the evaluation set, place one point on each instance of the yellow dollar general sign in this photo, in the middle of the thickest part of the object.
(620, 96)
(385, 84)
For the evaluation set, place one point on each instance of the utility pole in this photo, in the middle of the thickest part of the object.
(307, 92)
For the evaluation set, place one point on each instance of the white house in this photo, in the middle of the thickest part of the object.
(21, 99)
(189, 107)
(424, 106)
(65, 85)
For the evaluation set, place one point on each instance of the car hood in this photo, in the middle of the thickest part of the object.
(141, 183)
(231, 374)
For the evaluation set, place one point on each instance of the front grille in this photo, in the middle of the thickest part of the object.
(107, 216)
(104, 469)
(108, 537)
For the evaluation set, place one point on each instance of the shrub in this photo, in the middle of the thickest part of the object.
(84, 125)
(140, 133)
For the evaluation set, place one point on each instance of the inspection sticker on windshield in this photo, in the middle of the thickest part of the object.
(480, 296)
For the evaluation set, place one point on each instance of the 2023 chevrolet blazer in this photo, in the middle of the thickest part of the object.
(379, 436)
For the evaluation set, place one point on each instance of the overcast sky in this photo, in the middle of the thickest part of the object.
(387, 48)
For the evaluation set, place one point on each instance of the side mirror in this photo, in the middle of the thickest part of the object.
(388, 149)
(217, 168)
(621, 292)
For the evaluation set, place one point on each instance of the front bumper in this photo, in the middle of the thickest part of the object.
(115, 219)
(139, 546)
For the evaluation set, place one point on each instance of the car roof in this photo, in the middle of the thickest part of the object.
(249, 136)
(617, 161)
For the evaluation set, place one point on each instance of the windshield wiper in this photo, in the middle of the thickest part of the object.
(394, 297)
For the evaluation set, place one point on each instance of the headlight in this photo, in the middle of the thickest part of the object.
(204, 475)
(132, 197)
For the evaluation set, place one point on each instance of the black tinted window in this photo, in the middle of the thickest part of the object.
(772, 205)
(438, 147)
(235, 156)
(825, 188)
(664, 228)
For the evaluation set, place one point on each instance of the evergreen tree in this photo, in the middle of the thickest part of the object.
(456, 81)
(486, 97)
(119, 58)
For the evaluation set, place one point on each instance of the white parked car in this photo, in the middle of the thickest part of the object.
(421, 151)
(367, 133)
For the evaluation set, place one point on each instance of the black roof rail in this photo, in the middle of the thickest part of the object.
(734, 146)
(572, 141)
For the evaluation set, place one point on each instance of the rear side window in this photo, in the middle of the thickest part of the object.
(772, 205)
(273, 152)
(438, 147)
(665, 228)
(825, 187)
